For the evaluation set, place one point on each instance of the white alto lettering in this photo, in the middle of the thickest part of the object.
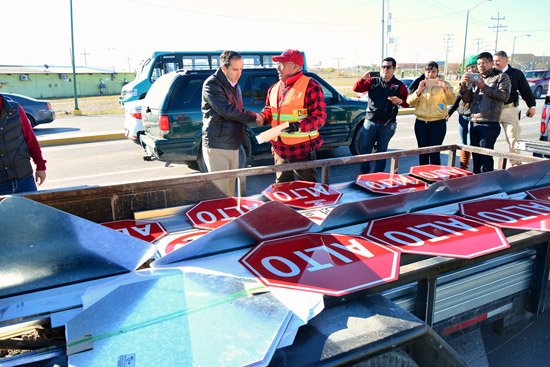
(206, 217)
(393, 235)
(268, 263)
(281, 195)
(145, 231)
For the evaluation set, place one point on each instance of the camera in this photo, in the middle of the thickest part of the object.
(374, 74)
(431, 82)
(474, 77)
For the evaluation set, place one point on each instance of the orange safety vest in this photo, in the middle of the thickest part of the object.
(292, 110)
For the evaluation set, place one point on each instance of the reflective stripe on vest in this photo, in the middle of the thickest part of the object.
(291, 109)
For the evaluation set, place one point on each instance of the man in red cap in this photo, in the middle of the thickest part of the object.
(299, 100)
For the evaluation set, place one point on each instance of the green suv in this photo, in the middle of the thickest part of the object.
(172, 116)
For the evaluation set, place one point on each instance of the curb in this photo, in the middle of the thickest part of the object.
(84, 138)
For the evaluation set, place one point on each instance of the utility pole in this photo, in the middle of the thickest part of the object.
(498, 26)
(76, 109)
(478, 41)
(85, 54)
(129, 66)
(448, 39)
(383, 28)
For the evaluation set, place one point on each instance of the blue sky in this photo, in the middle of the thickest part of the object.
(119, 33)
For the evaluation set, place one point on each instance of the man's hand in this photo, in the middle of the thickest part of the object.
(40, 177)
(366, 76)
(292, 127)
(260, 119)
(531, 112)
(395, 100)
(480, 84)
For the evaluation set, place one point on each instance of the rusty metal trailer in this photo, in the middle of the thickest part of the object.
(433, 296)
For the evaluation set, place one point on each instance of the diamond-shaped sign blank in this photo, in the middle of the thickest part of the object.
(438, 235)
(330, 264)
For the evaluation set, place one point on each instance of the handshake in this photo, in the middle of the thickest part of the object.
(260, 119)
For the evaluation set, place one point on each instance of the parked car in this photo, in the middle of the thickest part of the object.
(172, 116)
(538, 81)
(37, 111)
(133, 126)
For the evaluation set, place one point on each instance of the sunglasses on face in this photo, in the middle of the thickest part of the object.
(386, 66)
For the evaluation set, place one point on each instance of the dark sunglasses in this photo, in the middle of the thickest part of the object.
(387, 66)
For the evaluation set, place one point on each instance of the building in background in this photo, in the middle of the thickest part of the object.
(57, 81)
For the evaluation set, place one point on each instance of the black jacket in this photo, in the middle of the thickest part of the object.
(14, 156)
(224, 119)
(380, 107)
(520, 83)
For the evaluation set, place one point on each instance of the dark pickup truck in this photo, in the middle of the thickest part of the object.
(172, 116)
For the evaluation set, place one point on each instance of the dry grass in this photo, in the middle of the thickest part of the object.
(88, 105)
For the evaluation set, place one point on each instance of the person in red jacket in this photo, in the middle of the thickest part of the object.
(299, 100)
(18, 145)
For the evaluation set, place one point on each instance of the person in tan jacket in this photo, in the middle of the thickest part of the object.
(430, 96)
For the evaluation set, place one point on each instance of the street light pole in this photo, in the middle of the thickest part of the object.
(466, 33)
(76, 109)
(514, 46)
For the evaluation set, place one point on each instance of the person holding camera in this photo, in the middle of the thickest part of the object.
(430, 96)
(486, 98)
(299, 100)
(464, 118)
(386, 94)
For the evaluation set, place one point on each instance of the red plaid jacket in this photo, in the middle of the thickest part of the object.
(314, 101)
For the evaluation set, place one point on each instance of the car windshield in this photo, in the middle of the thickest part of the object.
(534, 74)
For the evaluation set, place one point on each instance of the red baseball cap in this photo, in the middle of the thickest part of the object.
(290, 55)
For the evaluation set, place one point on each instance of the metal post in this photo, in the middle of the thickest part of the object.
(465, 38)
(76, 109)
(383, 28)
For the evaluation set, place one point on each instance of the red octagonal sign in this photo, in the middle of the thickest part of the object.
(389, 183)
(211, 214)
(144, 230)
(302, 194)
(330, 264)
(540, 194)
(438, 235)
(510, 213)
(432, 172)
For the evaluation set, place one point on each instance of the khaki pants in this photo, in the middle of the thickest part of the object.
(308, 174)
(222, 160)
(509, 119)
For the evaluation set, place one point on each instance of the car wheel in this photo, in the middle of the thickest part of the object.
(202, 164)
(31, 120)
(355, 146)
(538, 92)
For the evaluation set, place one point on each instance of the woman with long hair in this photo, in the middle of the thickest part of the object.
(430, 96)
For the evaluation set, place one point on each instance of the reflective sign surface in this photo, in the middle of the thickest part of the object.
(438, 235)
(540, 194)
(144, 230)
(302, 194)
(432, 172)
(211, 214)
(389, 183)
(510, 213)
(330, 264)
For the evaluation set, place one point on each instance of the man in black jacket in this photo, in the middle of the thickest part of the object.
(224, 119)
(510, 114)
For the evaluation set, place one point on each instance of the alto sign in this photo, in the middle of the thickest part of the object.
(170, 244)
(437, 235)
(303, 194)
(389, 183)
(330, 264)
(540, 194)
(144, 230)
(211, 214)
(432, 172)
(510, 213)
